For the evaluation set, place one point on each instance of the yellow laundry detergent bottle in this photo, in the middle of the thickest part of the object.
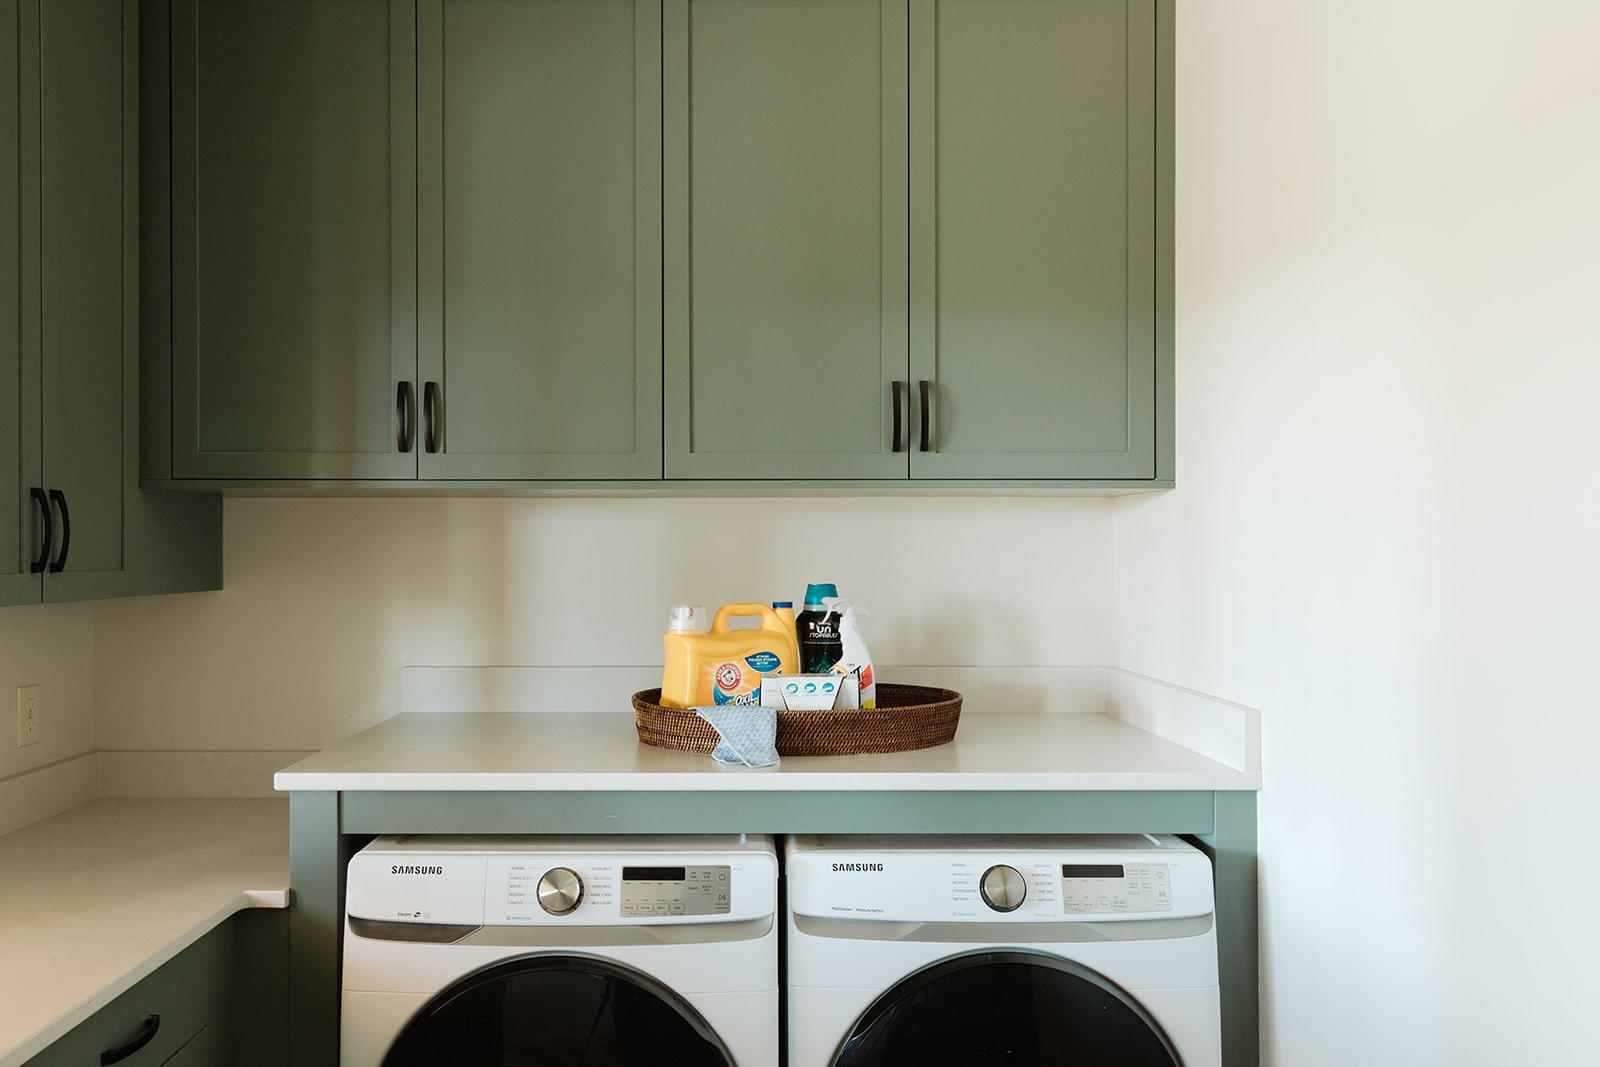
(723, 666)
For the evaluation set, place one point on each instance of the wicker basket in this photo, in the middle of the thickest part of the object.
(907, 717)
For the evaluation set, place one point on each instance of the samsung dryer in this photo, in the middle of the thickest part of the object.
(1089, 951)
(563, 951)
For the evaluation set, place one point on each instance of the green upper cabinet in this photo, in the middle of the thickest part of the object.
(1034, 218)
(19, 463)
(916, 241)
(70, 315)
(414, 240)
(293, 264)
(661, 242)
(786, 269)
(540, 238)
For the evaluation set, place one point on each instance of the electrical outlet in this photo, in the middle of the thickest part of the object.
(27, 715)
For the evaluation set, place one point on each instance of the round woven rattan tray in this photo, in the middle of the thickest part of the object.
(907, 717)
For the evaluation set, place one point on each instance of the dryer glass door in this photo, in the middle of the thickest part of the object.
(539, 1010)
(1020, 1009)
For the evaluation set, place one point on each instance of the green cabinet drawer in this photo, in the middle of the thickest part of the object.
(189, 998)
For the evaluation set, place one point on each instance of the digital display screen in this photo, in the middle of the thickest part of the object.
(653, 874)
(1091, 870)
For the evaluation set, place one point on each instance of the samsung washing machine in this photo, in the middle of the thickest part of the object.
(561, 951)
(1090, 951)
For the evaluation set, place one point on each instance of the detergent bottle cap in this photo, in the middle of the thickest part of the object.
(687, 618)
(818, 592)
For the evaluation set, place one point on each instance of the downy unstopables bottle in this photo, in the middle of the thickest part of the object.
(817, 630)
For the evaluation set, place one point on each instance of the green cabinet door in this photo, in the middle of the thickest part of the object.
(71, 309)
(540, 239)
(88, 306)
(293, 267)
(20, 523)
(1034, 260)
(785, 238)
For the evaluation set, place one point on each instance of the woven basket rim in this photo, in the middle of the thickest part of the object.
(892, 726)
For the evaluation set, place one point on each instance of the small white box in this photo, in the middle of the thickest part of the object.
(811, 692)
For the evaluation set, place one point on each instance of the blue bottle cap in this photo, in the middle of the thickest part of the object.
(817, 590)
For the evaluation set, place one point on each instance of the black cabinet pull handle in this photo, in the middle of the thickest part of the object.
(37, 566)
(432, 416)
(60, 562)
(898, 391)
(152, 1023)
(405, 418)
(924, 387)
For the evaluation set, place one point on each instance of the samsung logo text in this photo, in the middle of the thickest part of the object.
(407, 868)
(858, 866)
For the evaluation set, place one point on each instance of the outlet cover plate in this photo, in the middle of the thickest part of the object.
(27, 715)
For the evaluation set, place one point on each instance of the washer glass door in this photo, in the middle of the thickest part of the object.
(1019, 1009)
(557, 1010)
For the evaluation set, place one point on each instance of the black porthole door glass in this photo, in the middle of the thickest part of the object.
(558, 1011)
(1019, 1009)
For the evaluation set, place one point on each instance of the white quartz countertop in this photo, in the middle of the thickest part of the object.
(93, 900)
(601, 751)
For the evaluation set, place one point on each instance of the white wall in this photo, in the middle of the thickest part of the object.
(1386, 527)
(52, 646)
(326, 600)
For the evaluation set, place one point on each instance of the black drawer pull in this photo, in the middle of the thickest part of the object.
(923, 387)
(152, 1023)
(432, 417)
(37, 566)
(60, 562)
(405, 416)
(898, 394)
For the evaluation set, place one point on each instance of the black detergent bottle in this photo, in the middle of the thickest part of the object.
(817, 630)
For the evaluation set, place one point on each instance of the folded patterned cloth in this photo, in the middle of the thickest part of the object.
(749, 734)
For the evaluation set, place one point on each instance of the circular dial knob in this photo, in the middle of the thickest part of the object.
(1003, 888)
(560, 890)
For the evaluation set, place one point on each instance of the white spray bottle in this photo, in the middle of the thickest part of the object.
(853, 650)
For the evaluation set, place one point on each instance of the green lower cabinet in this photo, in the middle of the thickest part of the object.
(221, 1002)
(70, 358)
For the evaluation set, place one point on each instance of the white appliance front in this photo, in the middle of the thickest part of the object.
(1087, 951)
(649, 950)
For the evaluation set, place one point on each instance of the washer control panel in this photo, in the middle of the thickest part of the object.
(441, 881)
(676, 890)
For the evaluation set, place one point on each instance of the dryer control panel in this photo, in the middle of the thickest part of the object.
(1119, 888)
(1029, 881)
